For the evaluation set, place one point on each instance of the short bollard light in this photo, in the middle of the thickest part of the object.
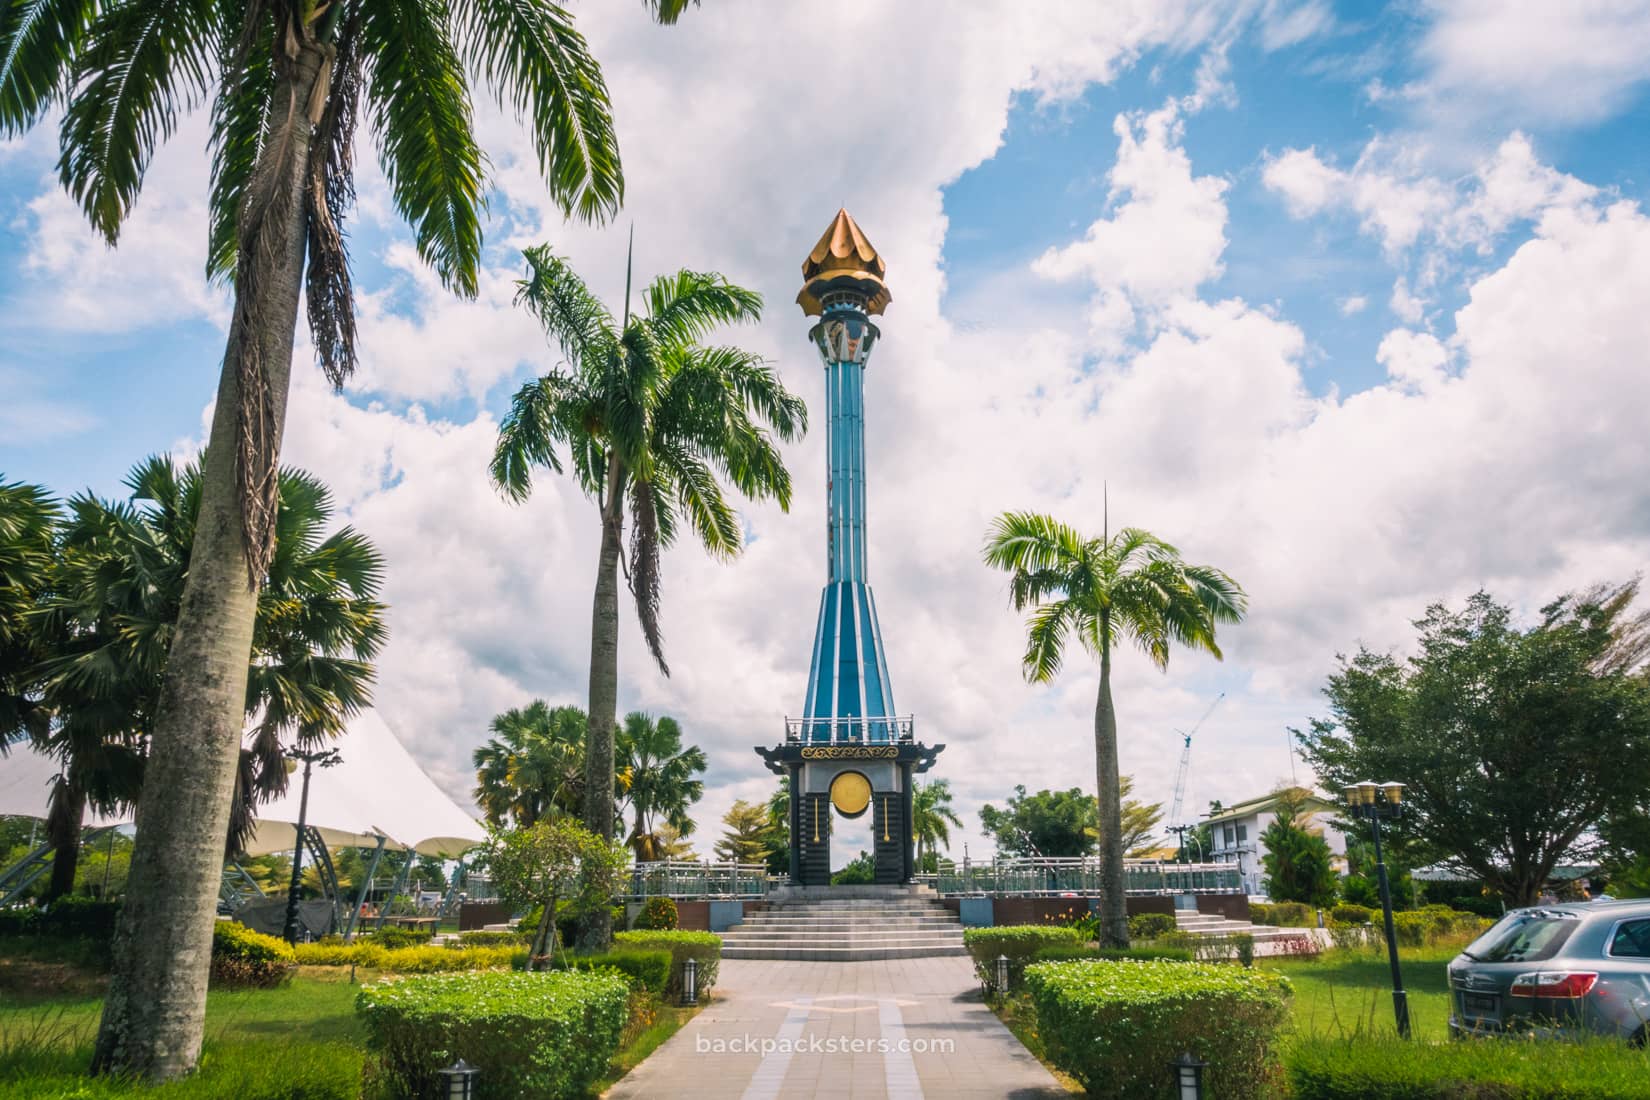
(1188, 1077)
(458, 1081)
(1002, 975)
(690, 982)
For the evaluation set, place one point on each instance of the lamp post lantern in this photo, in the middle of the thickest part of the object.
(1372, 802)
(1188, 1077)
(326, 758)
(458, 1080)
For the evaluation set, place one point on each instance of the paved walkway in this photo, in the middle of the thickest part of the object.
(900, 1028)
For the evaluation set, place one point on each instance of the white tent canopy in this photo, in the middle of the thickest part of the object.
(377, 791)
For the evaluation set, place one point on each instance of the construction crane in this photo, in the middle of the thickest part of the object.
(1186, 763)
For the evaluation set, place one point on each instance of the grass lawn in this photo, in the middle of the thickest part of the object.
(1345, 993)
(318, 1005)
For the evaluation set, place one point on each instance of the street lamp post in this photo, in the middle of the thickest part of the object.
(1372, 802)
(326, 758)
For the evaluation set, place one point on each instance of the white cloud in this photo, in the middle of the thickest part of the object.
(1352, 305)
(1413, 360)
(1532, 60)
(1408, 308)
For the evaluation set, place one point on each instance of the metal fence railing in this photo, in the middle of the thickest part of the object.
(680, 878)
(882, 730)
(1052, 877)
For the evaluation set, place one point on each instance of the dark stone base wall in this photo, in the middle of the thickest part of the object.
(475, 915)
(693, 916)
(1045, 910)
(888, 837)
(815, 857)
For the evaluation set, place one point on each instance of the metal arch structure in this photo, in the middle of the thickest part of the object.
(17, 878)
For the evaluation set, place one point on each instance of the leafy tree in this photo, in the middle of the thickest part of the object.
(1048, 823)
(28, 523)
(1140, 821)
(555, 862)
(652, 420)
(673, 845)
(1128, 587)
(1517, 743)
(779, 830)
(748, 836)
(859, 871)
(532, 766)
(287, 81)
(661, 779)
(117, 596)
(1297, 859)
(932, 817)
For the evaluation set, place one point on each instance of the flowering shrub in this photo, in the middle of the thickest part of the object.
(534, 1036)
(1115, 1026)
(247, 959)
(658, 915)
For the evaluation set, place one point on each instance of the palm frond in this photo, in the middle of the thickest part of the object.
(644, 568)
(571, 314)
(1033, 542)
(38, 43)
(540, 417)
(419, 108)
(1046, 632)
(702, 501)
(536, 62)
(667, 12)
(329, 193)
(240, 126)
(141, 67)
(686, 307)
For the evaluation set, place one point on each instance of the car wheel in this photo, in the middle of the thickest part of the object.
(1641, 1036)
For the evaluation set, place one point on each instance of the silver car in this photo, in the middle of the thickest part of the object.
(1557, 969)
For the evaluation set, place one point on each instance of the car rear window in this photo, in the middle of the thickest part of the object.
(1524, 937)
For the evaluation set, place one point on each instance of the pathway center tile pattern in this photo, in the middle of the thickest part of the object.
(901, 1029)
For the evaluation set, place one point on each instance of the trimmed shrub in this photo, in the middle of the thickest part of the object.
(533, 1036)
(428, 959)
(1283, 914)
(1351, 914)
(1149, 926)
(493, 939)
(244, 959)
(658, 915)
(70, 917)
(393, 938)
(1019, 942)
(1389, 1069)
(1115, 1026)
(368, 955)
(1244, 944)
(645, 970)
(1111, 954)
(705, 948)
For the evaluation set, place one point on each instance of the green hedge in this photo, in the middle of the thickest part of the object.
(1351, 914)
(494, 939)
(263, 1071)
(1111, 954)
(647, 970)
(244, 959)
(70, 917)
(705, 948)
(1283, 914)
(1387, 1069)
(1115, 1026)
(1019, 942)
(533, 1036)
(393, 938)
(1149, 926)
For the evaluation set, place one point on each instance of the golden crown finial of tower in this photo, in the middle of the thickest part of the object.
(843, 260)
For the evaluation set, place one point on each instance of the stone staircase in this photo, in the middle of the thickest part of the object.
(842, 923)
(1265, 936)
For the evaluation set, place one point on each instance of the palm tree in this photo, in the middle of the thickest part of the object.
(932, 816)
(117, 596)
(1132, 587)
(28, 526)
(652, 419)
(532, 766)
(749, 835)
(661, 779)
(288, 81)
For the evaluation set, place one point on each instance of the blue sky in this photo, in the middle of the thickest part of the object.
(1338, 296)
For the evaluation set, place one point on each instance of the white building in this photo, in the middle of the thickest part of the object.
(1235, 835)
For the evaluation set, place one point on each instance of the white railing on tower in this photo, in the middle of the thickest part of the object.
(884, 730)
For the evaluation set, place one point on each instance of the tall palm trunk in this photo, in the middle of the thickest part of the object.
(596, 930)
(155, 1011)
(68, 811)
(1114, 918)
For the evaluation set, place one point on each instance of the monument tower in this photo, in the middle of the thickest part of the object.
(850, 752)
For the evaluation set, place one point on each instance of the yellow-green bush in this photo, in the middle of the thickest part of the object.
(242, 958)
(409, 960)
